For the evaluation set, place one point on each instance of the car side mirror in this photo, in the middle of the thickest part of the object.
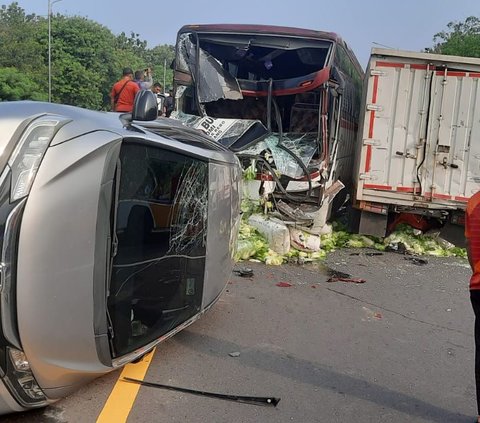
(145, 106)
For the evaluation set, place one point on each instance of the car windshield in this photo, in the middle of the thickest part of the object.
(158, 271)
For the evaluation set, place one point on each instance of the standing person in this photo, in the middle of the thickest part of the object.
(123, 92)
(144, 79)
(472, 234)
(157, 90)
(169, 103)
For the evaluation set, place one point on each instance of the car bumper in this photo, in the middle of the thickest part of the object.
(8, 404)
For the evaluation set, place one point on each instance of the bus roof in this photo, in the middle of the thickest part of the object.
(262, 29)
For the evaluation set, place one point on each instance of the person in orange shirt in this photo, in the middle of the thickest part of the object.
(472, 234)
(123, 92)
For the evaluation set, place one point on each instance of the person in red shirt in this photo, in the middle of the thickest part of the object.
(472, 234)
(123, 92)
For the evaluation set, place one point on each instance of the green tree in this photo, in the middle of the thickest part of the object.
(460, 39)
(159, 58)
(87, 58)
(19, 86)
(132, 43)
(19, 46)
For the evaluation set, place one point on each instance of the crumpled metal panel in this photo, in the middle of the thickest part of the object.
(226, 131)
(229, 131)
(212, 81)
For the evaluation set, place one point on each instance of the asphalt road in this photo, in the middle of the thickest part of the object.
(397, 348)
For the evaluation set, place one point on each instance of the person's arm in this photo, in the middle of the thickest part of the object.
(469, 254)
(148, 80)
(467, 238)
(112, 100)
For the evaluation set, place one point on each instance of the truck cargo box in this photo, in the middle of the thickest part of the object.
(418, 146)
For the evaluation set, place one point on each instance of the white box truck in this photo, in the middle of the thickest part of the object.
(419, 140)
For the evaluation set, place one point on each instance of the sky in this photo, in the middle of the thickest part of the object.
(405, 24)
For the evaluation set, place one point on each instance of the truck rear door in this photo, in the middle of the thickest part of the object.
(451, 167)
(394, 121)
(419, 123)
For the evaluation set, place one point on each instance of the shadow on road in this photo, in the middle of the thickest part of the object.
(314, 374)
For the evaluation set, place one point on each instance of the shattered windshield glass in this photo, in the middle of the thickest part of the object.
(249, 136)
(212, 81)
(161, 226)
(304, 147)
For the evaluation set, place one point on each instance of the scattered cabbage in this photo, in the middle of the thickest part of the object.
(253, 246)
(250, 173)
(421, 244)
(317, 255)
(250, 243)
(273, 258)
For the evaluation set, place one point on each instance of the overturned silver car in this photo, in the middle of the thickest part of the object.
(107, 246)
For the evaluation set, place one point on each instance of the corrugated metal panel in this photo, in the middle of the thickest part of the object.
(453, 165)
(420, 119)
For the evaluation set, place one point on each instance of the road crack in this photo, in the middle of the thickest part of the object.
(435, 325)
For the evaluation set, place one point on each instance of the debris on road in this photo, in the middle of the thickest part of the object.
(352, 280)
(253, 243)
(266, 401)
(244, 272)
(371, 315)
(234, 354)
(405, 240)
(284, 284)
(417, 260)
(368, 254)
(337, 276)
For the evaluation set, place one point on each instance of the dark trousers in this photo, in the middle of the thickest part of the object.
(475, 299)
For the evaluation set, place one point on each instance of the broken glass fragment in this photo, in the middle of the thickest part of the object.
(212, 81)
(303, 147)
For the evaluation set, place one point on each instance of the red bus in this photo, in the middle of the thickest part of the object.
(296, 90)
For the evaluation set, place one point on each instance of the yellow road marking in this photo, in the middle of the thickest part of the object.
(121, 399)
